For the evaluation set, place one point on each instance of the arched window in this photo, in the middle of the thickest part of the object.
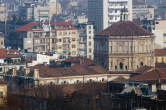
(126, 67)
(115, 67)
(142, 63)
(121, 65)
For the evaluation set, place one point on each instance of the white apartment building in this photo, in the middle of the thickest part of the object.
(160, 33)
(86, 40)
(103, 13)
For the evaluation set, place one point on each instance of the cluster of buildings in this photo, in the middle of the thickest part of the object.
(121, 41)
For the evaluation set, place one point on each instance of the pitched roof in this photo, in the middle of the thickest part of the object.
(11, 53)
(160, 52)
(80, 60)
(76, 70)
(155, 74)
(125, 28)
(30, 26)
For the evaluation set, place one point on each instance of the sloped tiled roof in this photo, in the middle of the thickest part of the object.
(125, 28)
(155, 74)
(160, 52)
(11, 53)
(30, 26)
(76, 70)
(80, 60)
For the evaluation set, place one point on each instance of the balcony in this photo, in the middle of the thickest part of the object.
(117, 7)
(114, 14)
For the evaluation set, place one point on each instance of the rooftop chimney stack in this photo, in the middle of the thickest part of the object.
(6, 69)
(36, 73)
(27, 71)
(14, 71)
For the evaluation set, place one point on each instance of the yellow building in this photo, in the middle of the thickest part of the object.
(67, 41)
(160, 55)
(2, 13)
(3, 92)
(55, 8)
(59, 37)
(1, 41)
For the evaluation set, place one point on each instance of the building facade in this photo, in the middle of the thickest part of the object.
(56, 37)
(2, 43)
(143, 12)
(124, 46)
(104, 13)
(160, 32)
(86, 40)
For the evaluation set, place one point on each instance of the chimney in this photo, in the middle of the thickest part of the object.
(14, 71)
(36, 73)
(27, 71)
(6, 69)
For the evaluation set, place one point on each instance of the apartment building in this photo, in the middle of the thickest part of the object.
(86, 40)
(160, 33)
(104, 13)
(2, 12)
(143, 12)
(56, 37)
(2, 44)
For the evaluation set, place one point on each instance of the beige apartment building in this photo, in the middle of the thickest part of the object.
(2, 45)
(2, 13)
(56, 37)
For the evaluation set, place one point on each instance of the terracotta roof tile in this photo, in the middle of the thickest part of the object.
(11, 53)
(155, 74)
(80, 60)
(160, 52)
(76, 70)
(29, 26)
(125, 28)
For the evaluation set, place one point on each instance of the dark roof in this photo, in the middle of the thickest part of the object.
(125, 28)
(75, 70)
(160, 52)
(155, 74)
(3, 82)
(80, 60)
(119, 79)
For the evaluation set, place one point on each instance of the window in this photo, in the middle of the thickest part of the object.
(89, 32)
(1, 94)
(126, 67)
(121, 65)
(89, 37)
(115, 67)
(73, 33)
(73, 52)
(142, 64)
(89, 27)
(90, 50)
(60, 40)
(89, 43)
(73, 39)
(73, 46)
(162, 59)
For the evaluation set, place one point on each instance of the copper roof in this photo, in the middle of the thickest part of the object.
(75, 70)
(125, 28)
(155, 74)
(160, 52)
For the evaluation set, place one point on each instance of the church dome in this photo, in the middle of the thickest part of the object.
(125, 28)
